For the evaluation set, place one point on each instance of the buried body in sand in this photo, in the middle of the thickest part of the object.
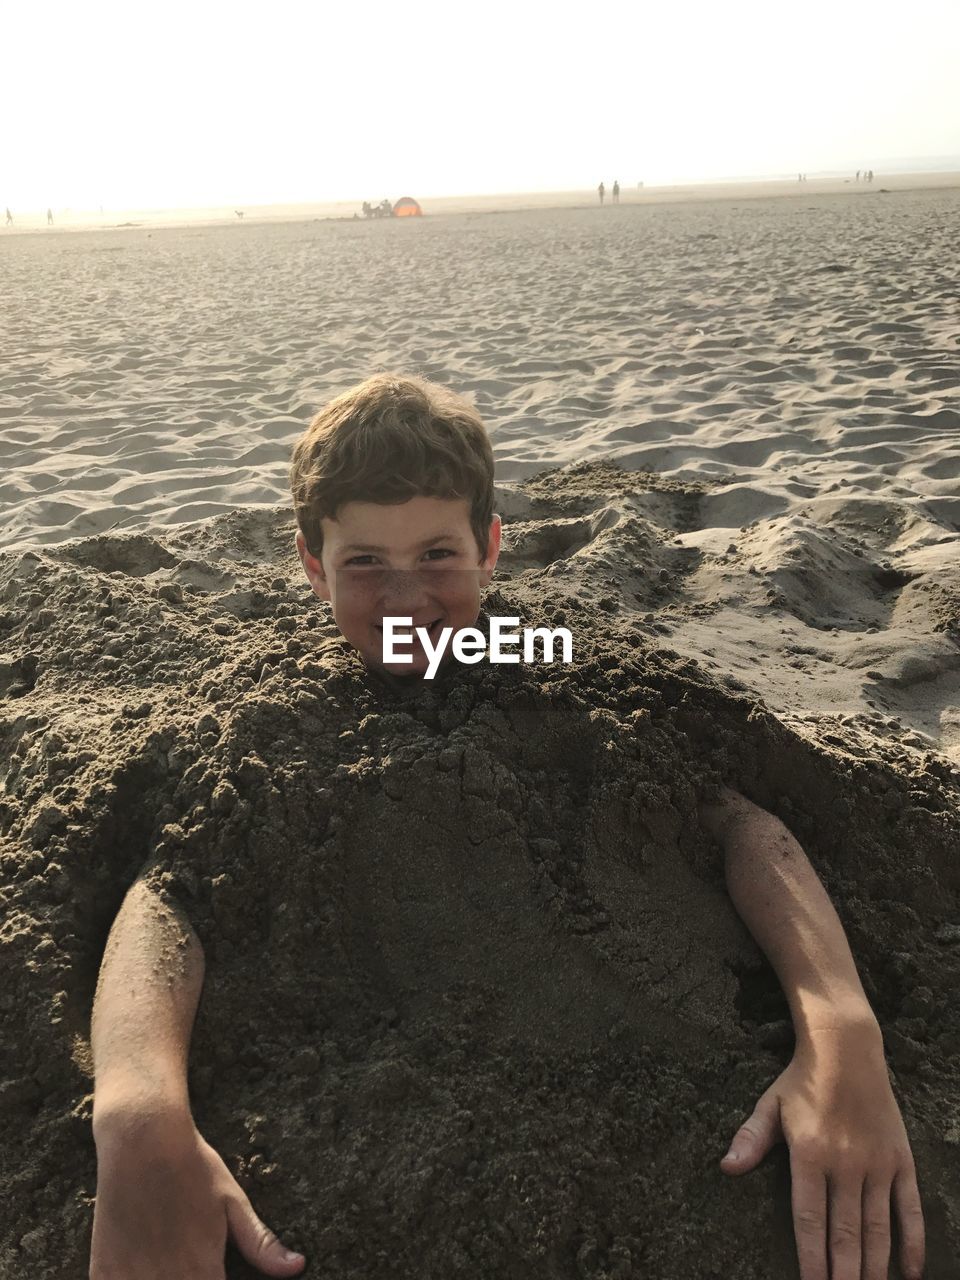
(167, 1202)
(478, 960)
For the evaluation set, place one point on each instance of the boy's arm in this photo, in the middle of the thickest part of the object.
(833, 1104)
(781, 900)
(166, 1202)
(143, 1012)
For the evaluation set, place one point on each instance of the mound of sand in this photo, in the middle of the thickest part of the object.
(476, 1000)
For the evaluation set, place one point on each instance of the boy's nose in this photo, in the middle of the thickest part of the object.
(404, 586)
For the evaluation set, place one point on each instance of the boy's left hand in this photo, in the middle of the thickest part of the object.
(834, 1107)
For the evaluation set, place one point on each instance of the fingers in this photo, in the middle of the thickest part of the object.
(847, 1219)
(808, 1197)
(755, 1137)
(906, 1197)
(256, 1241)
(846, 1202)
(876, 1228)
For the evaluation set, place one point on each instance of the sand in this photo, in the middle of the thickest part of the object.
(476, 1000)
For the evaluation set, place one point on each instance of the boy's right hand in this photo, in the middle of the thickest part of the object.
(166, 1204)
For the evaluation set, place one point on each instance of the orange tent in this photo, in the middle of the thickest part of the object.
(407, 207)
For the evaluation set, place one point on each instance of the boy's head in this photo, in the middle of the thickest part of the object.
(392, 487)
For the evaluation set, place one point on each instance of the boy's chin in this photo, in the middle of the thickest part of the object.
(416, 670)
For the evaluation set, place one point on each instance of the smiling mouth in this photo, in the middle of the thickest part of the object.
(433, 631)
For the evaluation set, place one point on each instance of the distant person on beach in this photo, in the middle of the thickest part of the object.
(49, 217)
(165, 1199)
(600, 191)
(857, 179)
(9, 218)
(239, 213)
(382, 210)
(616, 191)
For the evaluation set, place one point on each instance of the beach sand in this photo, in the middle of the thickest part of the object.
(476, 1000)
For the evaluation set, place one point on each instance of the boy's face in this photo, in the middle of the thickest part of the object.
(417, 559)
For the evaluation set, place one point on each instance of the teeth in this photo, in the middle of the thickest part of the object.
(430, 626)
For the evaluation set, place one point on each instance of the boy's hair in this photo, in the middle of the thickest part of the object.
(388, 439)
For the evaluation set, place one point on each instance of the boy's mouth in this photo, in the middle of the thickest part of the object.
(433, 631)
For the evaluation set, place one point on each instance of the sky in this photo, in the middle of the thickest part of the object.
(182, 105)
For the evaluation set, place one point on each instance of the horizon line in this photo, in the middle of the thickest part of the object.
(952, 165)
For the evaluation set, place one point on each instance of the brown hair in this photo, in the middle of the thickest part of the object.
(388, 439)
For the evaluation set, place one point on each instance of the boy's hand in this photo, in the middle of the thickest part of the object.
(848, 1150)
(166, 1203)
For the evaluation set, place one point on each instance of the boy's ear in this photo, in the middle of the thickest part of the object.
(489, 561)
(312, 568)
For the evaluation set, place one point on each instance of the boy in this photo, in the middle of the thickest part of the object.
(398, 546)
(393, 493)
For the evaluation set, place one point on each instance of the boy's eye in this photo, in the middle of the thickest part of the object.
(434, 553)
(440, 552)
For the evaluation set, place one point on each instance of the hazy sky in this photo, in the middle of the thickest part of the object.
(134, 104)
